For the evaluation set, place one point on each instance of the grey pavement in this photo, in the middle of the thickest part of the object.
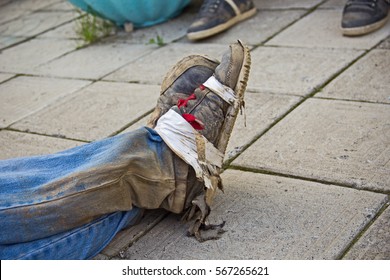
(307, 173)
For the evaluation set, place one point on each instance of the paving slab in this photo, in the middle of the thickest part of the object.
(321, 29)
(138, 124)
(30, 94)
(375, 242)
(95, 112)
(152, 69)
(7, 13)
(385, 44)
(31, 5)
(94, 61)
(297, 71)
(328, 140)
(61, 6)
(4, 77)
(261, 111)
(268, 217)
(35, 23)
(23, 58)
(13, 9)
(6, 41)
(66, 31)
(257, 29)
(283, 4)
(19, 144)
(364, 80)
(333, 4)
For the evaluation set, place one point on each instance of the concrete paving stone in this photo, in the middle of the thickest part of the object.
(7, 13)
(61, 6)
(261, 110)
(257, 29)
(141, 123)
(297, 71)
(35, 23)
(364, 80)
(321, 29)
(4, 77)
(23, 96)
(66, 31)
(31, 5)
(23, 58)
(95, 112)
(93, 62)
(18, 144)
(333, 4)
(151, 69)
(13, 9)
(268, 217)
(283, 4)
(128, 236)
(9, 41)
(375, 242)
(334, 141)
(385, 44)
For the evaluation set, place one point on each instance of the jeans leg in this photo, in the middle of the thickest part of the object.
(43, 196)
(81, 243)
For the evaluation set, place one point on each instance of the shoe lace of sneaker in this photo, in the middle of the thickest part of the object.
(209, 7)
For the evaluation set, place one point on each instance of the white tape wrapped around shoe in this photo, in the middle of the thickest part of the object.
(181, 137)
(225, 92)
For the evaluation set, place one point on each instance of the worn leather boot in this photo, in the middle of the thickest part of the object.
(198, 129)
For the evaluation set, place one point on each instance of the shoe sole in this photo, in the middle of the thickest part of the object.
(232, 112)
(222, 27)
(357, 31)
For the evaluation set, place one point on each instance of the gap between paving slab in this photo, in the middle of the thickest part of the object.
(374, 243)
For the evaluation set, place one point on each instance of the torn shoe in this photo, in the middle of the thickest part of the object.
(198, 128)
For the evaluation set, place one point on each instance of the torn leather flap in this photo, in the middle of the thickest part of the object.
(201, 229)
(190, 146)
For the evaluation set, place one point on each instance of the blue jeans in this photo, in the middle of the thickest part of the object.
(70, 205)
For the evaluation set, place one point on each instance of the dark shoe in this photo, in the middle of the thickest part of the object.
(216, 16)
(364, 16)
(180, 81)
(211, 110)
